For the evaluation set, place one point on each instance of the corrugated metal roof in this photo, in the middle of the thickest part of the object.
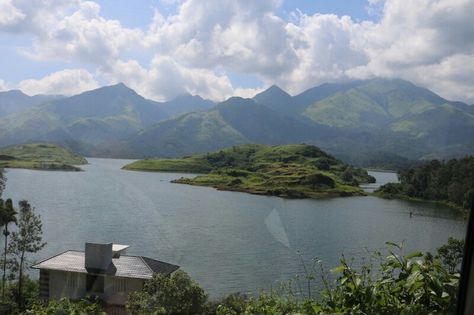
(125, 266)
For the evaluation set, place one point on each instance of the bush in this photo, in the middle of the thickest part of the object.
(177, 294)
(397, 284)
(66, 307)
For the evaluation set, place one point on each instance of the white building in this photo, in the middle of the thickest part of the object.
(101, 271)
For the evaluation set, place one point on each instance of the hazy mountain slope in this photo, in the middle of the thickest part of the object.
(317, 93)
(381, 103)
(15, 101)
(276, 99)
(185, 134)
(232, 122)
(349, 120)
(92, 117)
(185, 103)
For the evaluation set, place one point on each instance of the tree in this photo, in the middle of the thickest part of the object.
(177, 294)
(451, 254)
(2, 181)
(7, 216)
(27, 240)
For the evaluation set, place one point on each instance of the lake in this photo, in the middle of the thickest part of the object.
(227, 241)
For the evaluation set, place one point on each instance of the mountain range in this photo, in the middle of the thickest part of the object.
(387, 118)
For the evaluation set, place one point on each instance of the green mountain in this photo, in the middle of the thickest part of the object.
(373, 104)
(351, 120)
(15, 101)
(398, 111)
(291, 171)
(232, 122)
(320, 92)
(92, 117)
(276, 99)
(45, 156)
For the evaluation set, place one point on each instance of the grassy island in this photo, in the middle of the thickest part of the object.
(289, 171)
(42, 156)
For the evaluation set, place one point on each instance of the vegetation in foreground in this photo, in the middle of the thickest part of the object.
(18, 292)
(396, 284)
(450, 182)
(415, 283)
(44, 156)
(290, 171)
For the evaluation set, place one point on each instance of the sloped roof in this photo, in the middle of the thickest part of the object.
(125, 266)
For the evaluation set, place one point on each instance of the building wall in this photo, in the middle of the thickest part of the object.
(116, 289)
(73, 286)
(66, 284)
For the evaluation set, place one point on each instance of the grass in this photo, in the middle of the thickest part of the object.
(289, 171)
(42, 156)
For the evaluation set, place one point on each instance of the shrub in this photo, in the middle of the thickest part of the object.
(177, 294)
(66, 307)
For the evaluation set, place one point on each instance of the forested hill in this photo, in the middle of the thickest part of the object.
(291, 171)
(449, 182)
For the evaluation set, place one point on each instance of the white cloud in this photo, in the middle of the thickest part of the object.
(9, 14)
(426, 41)
(421, 41)
(3, 85)
(65, 82)
(72, 31)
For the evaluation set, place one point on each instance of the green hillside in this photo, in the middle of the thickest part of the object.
(15, 101)
(350, 120)
(93, 117)
(233, 122)
(40, 156)
(290, 171)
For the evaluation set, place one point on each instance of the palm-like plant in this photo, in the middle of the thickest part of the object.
(7, 216)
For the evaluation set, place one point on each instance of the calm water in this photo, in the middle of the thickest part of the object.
(227, 241)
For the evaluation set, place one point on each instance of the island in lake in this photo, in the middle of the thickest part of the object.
(42, 156)
(289, 171)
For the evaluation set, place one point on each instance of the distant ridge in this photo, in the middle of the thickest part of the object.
(349, 119)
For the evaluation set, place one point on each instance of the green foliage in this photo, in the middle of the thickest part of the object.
(291, 171)
(400, 285)
(40, 156)
(7, 216)
(177, 294)
(65, 307)
(2, 181)
(9, 304)
(393, 283)
(28, 239)
(450, 182)
(451, 254)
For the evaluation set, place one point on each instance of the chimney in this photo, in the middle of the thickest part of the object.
(98, 256)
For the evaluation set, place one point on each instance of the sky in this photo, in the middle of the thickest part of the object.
(221, 48)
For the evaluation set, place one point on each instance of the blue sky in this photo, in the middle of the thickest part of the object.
(17, 67)
(218, 48)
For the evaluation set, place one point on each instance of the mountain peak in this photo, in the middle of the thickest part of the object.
(272, 91)
(120, 85)
(14, 93)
